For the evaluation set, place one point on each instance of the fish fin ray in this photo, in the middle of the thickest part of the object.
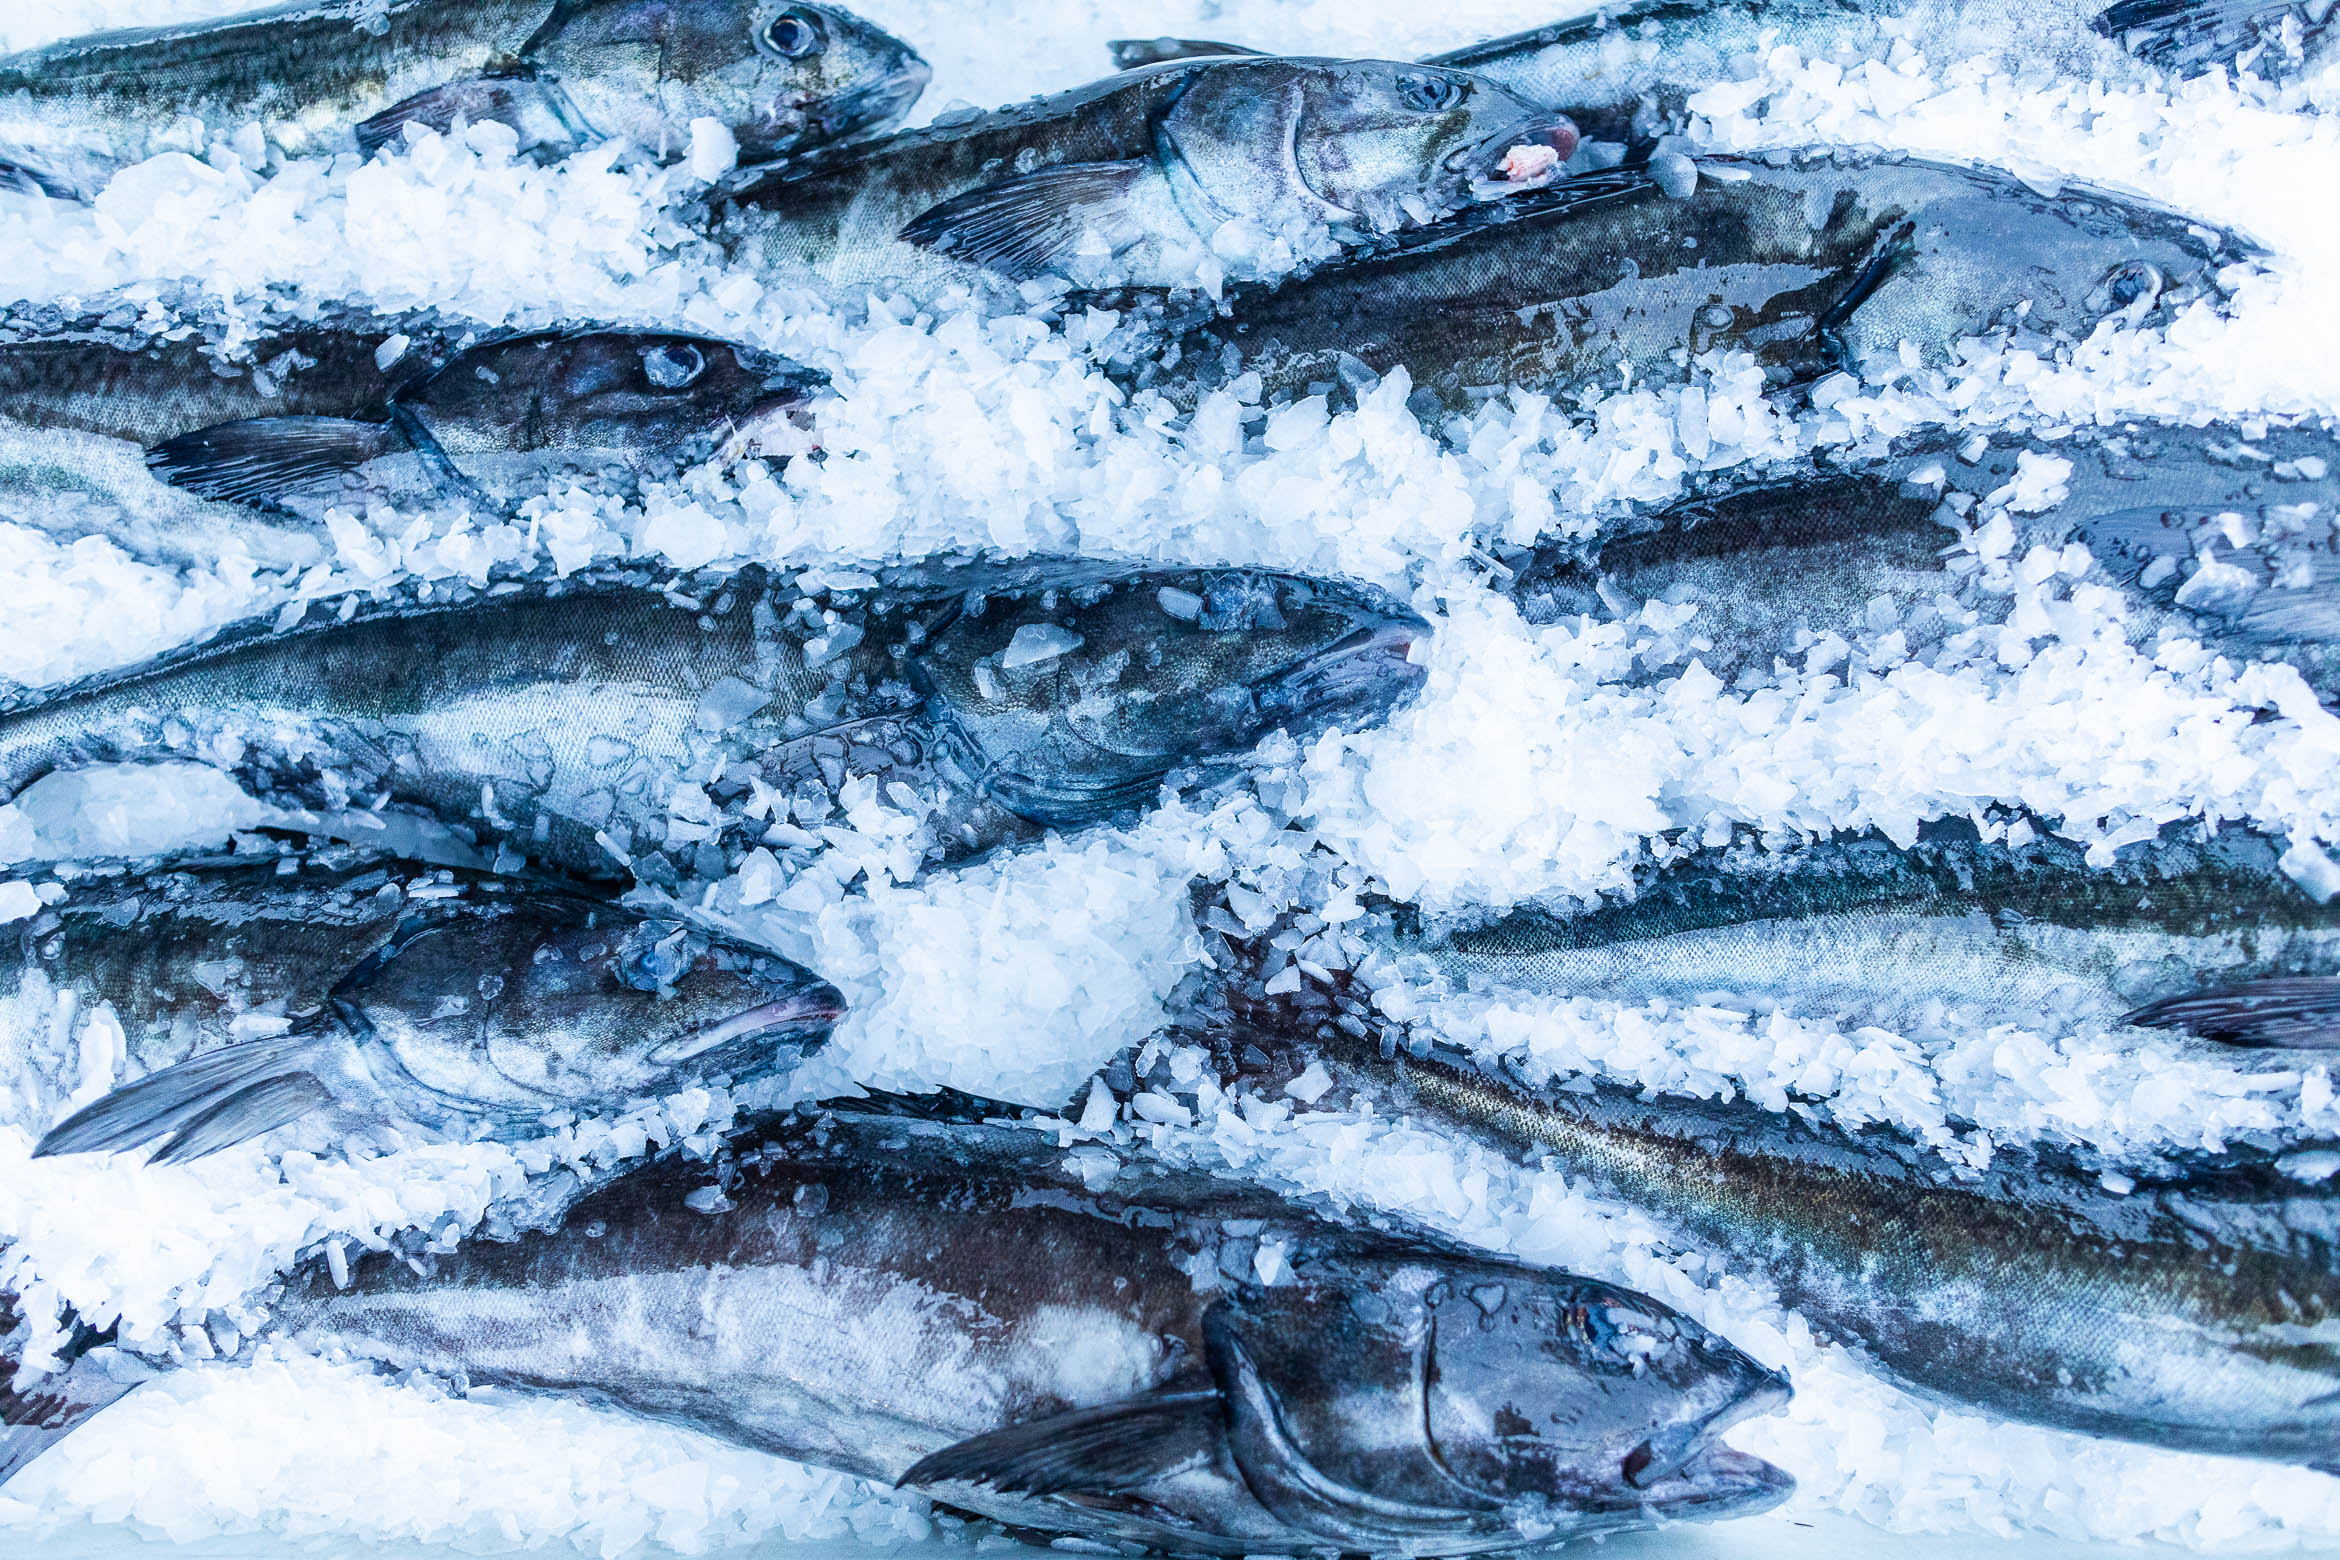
(518, 100)
(2295, 1012)
(38, 1411)
(1106, 1450)
(173, 1098)
(1022, 227)
(24, 179)
(265, 458)
(250, 1111)
(1138, 53)
(2187, 35)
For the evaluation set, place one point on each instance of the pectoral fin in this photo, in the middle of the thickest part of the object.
(214, 1100)
(535, 109)
(1137, 53)
(2297, 1013)
(1282, 1478)
(1028, 226)
(1096, 1451)
(263, 460)
(24, 179)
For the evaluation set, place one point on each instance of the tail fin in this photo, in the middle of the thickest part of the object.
(217, 1099)
(2189, 35)
(36, 1411)
(1137, 53)
(265, 459)
(2299, 1012)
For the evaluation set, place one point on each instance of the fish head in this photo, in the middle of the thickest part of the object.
(1075, 702)
(632, 399)
(550, 999)
(1367, 146)
(1437, 1403)
(783, 76)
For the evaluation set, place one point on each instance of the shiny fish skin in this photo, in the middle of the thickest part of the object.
(906, 1300)
(1150, 164)
(561, 719)
(1811, 266)
(1855, 548)
(1867, 932)
(315, 74)
(379, 993)
(2195, 1310)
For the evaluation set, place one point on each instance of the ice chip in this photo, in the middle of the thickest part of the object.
(18, 900)
(1675, 174)
(714, 149)
(2313, 870)
(1528, 160)
(1036, 642)
(727, 703)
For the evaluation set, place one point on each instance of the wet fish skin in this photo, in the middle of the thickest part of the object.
(1149, 165)
(1079, 1345)
(1812, 265)
(1773, 563)
(2192, 1312)
(321, 76)
(560, 719)
(453, 1003)
(1626, 71)
(1869, 931)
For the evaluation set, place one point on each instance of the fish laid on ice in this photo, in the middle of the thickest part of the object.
(568, 719)
(1623, 72)
(1810, 263)
(322, 76)
(1079, 1344)
(2211, 534)
(2191, 1304)
(1245, 166)
(2202, 936)
(381, 993)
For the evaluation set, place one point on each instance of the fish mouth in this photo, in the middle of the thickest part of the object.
(1372, 665)
(1719, 1481)
(1527, 156)
(776, 427)
(801, 1018)
(1671, 1452)
(871, 108)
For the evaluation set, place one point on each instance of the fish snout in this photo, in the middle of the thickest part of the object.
(1667, 1452)
(1373, 664)
(874, 106)
(801, 1013)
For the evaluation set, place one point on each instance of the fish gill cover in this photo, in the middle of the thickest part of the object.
(1541, 762)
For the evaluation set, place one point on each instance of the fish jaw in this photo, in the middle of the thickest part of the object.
(802, 1018)
(1372, 670)
(1525, 156)
(1719, 1482)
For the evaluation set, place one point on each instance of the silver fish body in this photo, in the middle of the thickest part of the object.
(2203, 936)
(2211, 534)
(324, 76)
(371, 993)
(2194, 1307)
(1133, 180)
(1083, 1345)
(568, 720)
(1810, 264)
(1624, 72)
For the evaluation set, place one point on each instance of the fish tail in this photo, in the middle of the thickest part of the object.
(201, 1106)
(40, 1406)
(2189, 35)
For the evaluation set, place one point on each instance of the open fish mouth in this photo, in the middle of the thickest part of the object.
(1373, 663)
(1674, 1452)
(1524, 157)
(1720, 1481)
(801, 1018)
(869, 109)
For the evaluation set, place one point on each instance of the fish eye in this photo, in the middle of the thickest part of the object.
(1428, 94)
(2126, 285)
(655, 958)
(794, 34)
(673, 365)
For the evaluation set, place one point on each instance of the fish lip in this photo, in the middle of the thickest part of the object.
(1668, 1452)
(1353, 664)
(1722, 1481)
(807, 1014)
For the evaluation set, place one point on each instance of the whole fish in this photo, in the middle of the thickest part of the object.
(1811, 264)
(1078, 1344)
(1625, 72)
(1155, 179)
(2205, 936)
(323, 76)
(568, 719)
(2192, 1304)
(369, 993)
(2211, 534)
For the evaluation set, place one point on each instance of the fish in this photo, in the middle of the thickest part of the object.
(319, 77)
(2193, 935)
(1156, 179)
(1626, 72)
(2214, 533)
(2190, 1303)
(1087, 1345)
(1812, 263)
(372, 993)
(565, 719)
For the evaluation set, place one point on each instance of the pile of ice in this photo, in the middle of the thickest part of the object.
(950, 427)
